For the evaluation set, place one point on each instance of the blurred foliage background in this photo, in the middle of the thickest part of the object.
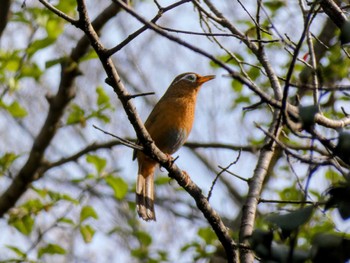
(79, 205)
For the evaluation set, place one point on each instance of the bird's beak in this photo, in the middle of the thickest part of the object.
(203, 79)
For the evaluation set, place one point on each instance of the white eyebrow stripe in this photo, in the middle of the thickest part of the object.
(187, 75)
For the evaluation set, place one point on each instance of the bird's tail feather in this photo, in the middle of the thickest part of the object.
(145, 197)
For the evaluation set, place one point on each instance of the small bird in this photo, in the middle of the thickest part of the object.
(169, 125)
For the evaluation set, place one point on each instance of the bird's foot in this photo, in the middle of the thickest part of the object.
(171, 160)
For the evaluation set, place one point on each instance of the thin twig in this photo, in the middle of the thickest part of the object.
(59, 12)
(132, 36)
(293, 202)
(223, 170)
(140, 95)
(122, 141)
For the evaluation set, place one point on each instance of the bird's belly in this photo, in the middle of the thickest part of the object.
(170, 140)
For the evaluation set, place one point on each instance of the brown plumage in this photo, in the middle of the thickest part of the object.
(169, 125)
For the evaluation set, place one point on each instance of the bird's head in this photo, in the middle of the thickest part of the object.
(190, 79)
(187, 83)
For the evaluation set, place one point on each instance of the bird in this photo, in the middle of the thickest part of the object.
(169, 125)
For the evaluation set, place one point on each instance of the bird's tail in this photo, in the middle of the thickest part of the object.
(145, 197)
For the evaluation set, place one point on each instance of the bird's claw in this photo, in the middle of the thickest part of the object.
(171, 160)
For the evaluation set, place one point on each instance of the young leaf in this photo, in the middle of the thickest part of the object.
(40, 44)
(16, 110)
(119, 186)
(144, 238)
(6, 160)
(87, 212)
(87, 233)
(19, 252)
(66, 220)
(51, 249)
(77, 115)
(23, 224)
(102, 97)
(207, 234)
(98, 162)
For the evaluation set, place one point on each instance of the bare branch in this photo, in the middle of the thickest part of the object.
(290, 202)
(223, 170)
(121, 140)
(305, 159)
(334, 12)
(131, 37)
(58, 12)
(32, 169)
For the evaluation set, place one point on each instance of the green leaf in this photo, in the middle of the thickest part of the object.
(53, 62)
(68, 6)
(39, 45)
(98, 162)
(119, 186)
(292, 220)
(19, 252)
(144, 238)
(66, 220)
(102, 97)
(6, 160)
(161, 180)
(51, 249)
(242, 99)
(33, 206)
(291, 193)
(15, 109)
(140, 253)
(274, 5)
(103, 117)
(237, 86)
(254, 73)
(23, 224)
(87, 233)
(31, 71)
(88, 56)
(59, 196)
(77, 115)
(207, 234)
(87, 212)
(54, 28)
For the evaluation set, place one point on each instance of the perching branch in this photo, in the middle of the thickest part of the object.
(149, 147)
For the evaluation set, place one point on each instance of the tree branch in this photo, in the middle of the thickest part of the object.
(34, 165)
(150, 148)
(334, 12)
(4, 14)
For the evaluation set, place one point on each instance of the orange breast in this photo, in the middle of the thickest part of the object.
(170, 123)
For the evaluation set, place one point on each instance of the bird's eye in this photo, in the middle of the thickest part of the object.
(191, 77)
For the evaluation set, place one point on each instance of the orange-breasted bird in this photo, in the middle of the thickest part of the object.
(169, 125)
